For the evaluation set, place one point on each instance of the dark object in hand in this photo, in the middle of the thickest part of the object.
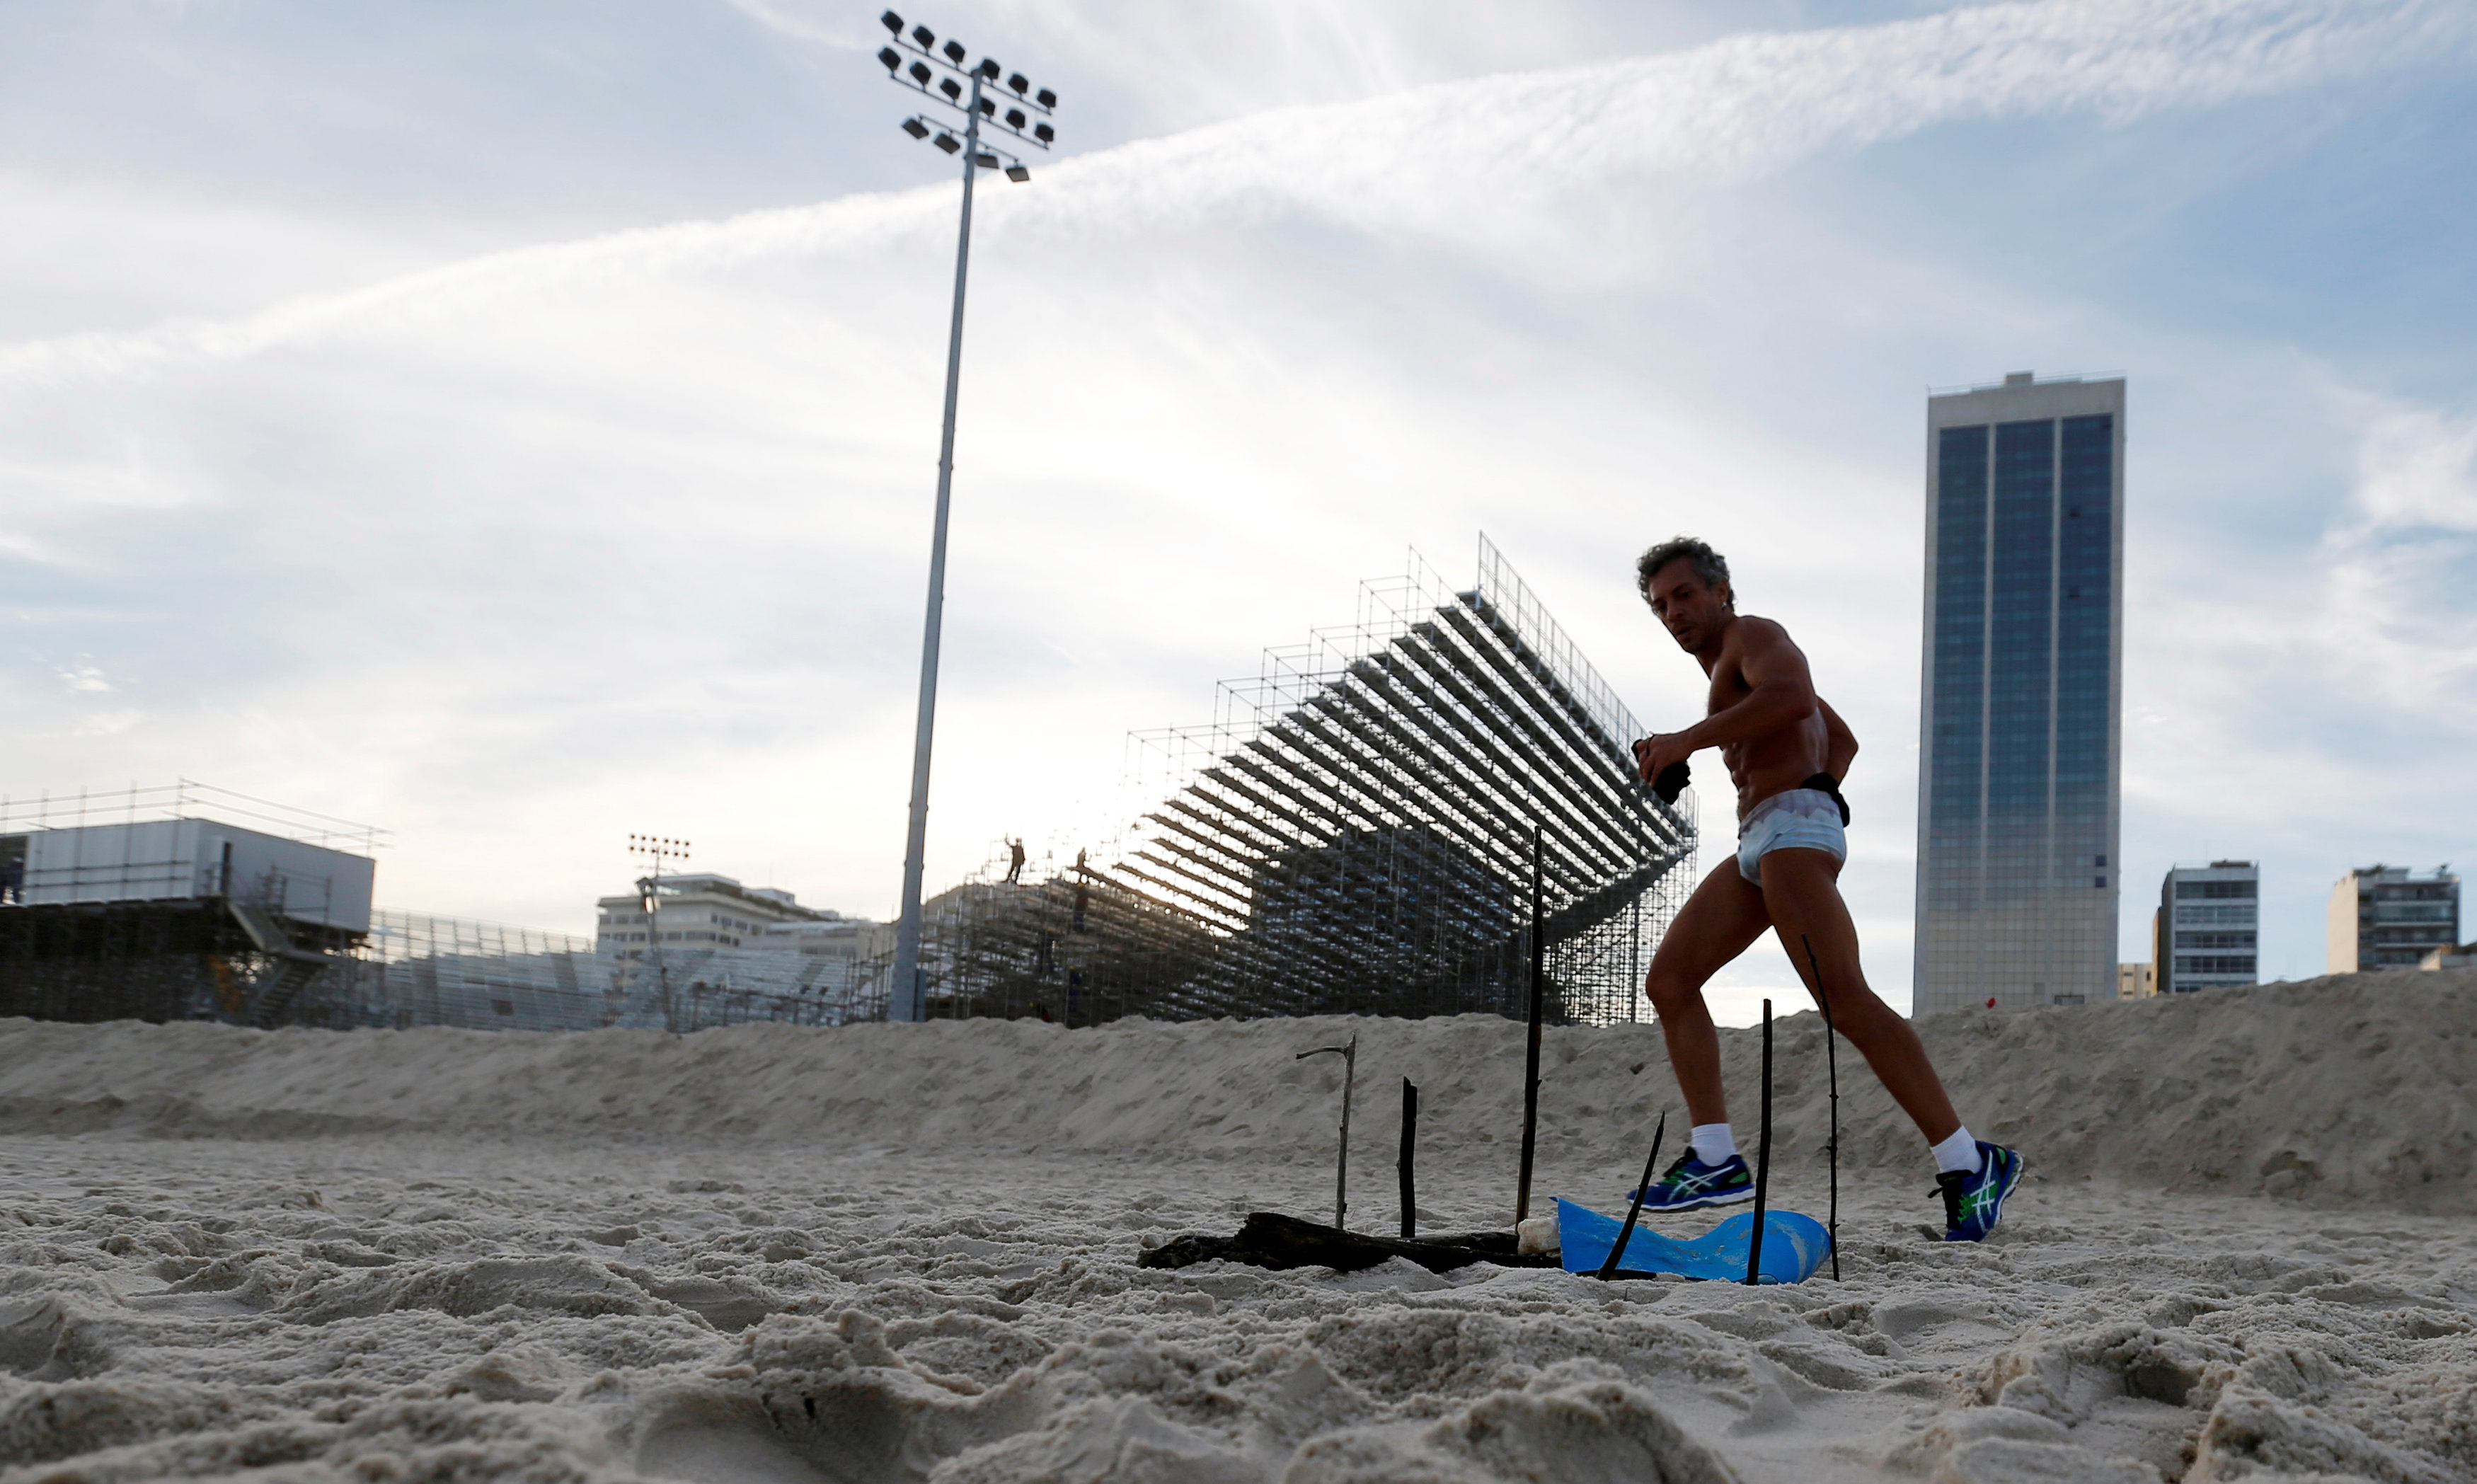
(1672, 781)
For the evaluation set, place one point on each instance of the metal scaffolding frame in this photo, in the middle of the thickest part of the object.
(416, 969)
(185, 799)
(199, 959)
(1352, 834)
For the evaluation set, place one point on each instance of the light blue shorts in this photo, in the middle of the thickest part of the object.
(1794, 819)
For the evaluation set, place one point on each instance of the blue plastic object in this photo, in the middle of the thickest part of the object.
(1795, 1246)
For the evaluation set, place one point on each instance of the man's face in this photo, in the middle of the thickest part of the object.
(1691, 610)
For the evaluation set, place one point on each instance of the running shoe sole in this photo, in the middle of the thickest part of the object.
(1738, 1196)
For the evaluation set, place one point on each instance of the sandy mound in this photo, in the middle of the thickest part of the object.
(411, 1307)
(909, 1253)
(2336, 1091)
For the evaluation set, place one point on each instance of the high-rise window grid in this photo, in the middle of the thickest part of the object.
(2017, 869)
(2206, 934)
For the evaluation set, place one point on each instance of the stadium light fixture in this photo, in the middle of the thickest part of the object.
(657, 848)
(938, 74)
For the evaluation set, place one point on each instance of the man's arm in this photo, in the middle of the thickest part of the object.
(1840, 743)
(1780, 692)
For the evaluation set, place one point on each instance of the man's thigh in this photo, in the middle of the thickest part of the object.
(1802, 896)
(1720, 920)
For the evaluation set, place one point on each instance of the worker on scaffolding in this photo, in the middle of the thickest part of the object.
(1014, 862)
(1787, 752)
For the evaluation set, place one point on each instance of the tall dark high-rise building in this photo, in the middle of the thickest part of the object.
(2020, 738)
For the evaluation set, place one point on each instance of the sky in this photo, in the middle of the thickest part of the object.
(514, 425)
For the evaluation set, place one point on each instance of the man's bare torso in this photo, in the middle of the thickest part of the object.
(1778, 759)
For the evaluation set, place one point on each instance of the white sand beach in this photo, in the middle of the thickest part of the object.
(2245, 1251)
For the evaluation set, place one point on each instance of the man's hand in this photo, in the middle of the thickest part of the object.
(1654, 754)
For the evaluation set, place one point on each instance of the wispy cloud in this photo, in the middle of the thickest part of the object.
(2308, 704)
(2416, 471)
(532, 549)
(2398, 614)
(775, 19)
(1456, 162)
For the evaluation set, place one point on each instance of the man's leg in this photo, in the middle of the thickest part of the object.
(1801, 893)
(1719, 921)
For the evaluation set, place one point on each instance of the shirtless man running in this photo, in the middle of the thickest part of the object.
(1787, 751)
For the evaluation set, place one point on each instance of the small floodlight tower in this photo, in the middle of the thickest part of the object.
(918, 61)
(649, 892)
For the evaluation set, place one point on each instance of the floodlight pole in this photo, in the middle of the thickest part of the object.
(908, 997)
(649, 888)
(910, 1001)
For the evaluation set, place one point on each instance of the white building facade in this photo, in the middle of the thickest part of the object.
(707, 933)
(2387, 916)
(2208, 933)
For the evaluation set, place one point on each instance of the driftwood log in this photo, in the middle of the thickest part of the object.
(1271, 1240)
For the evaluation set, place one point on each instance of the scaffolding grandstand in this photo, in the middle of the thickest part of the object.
(1357, 831)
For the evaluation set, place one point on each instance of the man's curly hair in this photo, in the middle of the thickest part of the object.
(1709, 566)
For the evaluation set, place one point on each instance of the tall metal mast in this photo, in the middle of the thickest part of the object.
(943, 68)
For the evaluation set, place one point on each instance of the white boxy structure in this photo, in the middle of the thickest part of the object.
(145, 904)
(173, 860)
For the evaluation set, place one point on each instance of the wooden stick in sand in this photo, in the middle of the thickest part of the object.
(1831, 1146)
(1531, 1061)
(1410, 1148)
(1634, 1213)
(1763, 1158)
(1349, 1055)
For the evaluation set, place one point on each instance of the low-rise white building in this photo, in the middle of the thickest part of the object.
(704, 910)
(2208, 933)
(2386, 916)
(715, 936)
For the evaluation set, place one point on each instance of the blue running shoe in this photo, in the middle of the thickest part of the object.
(1973, 1203)
(1691, 1184)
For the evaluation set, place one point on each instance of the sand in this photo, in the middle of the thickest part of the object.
(890, 1253)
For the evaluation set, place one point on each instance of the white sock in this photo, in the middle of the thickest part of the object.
(1959, 1152)
(1714, 1143)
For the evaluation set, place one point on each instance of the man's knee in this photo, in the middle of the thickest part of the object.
(1670, 993)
